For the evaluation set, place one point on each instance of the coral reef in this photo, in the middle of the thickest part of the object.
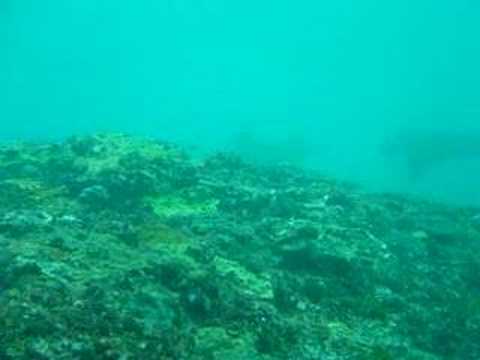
(116, 247)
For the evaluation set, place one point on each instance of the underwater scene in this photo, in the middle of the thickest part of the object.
(213, 180)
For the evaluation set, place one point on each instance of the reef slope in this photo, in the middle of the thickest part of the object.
(116, 247)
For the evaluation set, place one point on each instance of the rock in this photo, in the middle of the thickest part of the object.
(96, 195)
(244, 282)
(420, 235)
(22, 221)
(216, 343)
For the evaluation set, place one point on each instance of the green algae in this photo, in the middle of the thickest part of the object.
(177, 205)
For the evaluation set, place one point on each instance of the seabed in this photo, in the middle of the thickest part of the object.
(118, 247)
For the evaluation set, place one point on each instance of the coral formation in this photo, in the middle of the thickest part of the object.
(116, 247)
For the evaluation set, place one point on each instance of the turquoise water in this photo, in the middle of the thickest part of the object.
(155, 216)
(342, 76)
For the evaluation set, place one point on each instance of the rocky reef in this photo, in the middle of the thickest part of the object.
(116, 247)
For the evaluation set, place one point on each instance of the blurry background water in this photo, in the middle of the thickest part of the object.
(329, 85)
